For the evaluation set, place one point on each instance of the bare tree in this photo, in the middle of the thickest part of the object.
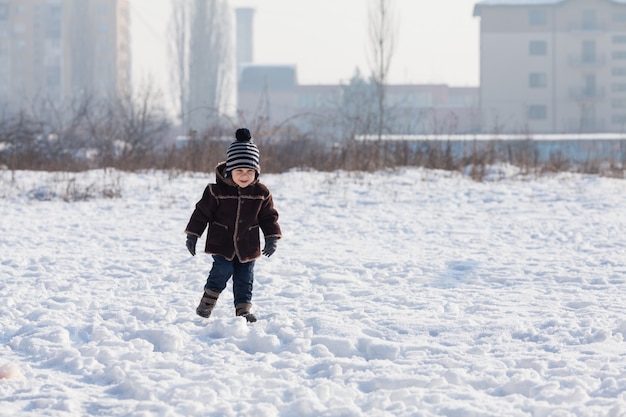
(382, 37)
(209, 61)
(142, 123)
(179, 27)
(200, 65)
(357, 107)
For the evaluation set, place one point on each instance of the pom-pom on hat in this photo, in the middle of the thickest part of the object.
(243, 135)
(242, 153)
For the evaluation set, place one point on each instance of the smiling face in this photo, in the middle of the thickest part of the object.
(243, 176)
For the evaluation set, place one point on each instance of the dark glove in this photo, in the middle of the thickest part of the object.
(191, 244)
(270, 245)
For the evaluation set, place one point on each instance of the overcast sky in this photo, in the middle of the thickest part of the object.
(437, 40)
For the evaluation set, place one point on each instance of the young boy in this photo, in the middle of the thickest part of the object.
(234, 209)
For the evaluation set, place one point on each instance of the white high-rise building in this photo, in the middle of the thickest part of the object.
(55, 50)
(552, 66)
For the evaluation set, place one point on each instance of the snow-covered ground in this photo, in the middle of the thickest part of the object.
(401, 293)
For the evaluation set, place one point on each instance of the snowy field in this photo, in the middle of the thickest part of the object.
(401, 293)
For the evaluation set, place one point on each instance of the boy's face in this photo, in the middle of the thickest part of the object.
(243, 176)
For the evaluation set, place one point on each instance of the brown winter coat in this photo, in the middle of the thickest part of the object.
(234, 216)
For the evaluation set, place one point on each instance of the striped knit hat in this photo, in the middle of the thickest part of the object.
(242, 153)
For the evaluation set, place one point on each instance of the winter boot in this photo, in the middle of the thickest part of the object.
(209, 298)
(243, 310)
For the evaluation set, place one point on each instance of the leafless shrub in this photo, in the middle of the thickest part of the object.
(70, 187)
(124, 133)
(472, 158)
(556, 163)
(133, 133)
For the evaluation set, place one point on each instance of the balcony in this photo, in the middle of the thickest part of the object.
(587, 27)
(586, 61)
(587, 93)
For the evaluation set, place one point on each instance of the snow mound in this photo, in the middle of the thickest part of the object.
(11, 371)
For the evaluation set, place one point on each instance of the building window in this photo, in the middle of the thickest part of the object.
(618, 87)
(53, 22)
(4, 11)
(537, 80)
(619, 55)
(619, 17)
(618, 118)
(588, 52)
(537, 17)
(538, 48)
(618, 103)
(589, 20)
(619, 71)
(53, 77)
(619, 39)
(537, 112)
(589, 90)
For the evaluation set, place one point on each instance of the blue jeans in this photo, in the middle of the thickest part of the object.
(242, 273)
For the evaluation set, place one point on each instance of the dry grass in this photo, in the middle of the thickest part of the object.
(87, 142)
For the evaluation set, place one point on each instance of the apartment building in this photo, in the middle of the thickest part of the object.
(56, 50)
(272, 94)
(552, 66)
